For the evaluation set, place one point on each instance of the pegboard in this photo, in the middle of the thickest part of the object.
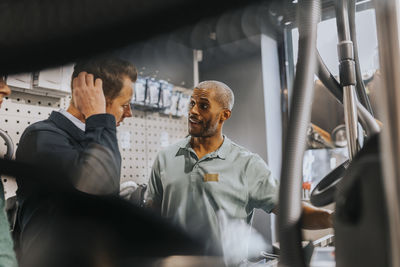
(18, 112)
(143, 136)
(140, 138)
(147, 132)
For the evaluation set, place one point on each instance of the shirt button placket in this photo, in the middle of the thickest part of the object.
(195, 174)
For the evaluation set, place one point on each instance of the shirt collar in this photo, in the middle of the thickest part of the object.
(185, 143)
(224, 148)
(221, 152)
(73, 119)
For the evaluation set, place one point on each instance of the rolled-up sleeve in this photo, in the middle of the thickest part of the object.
(263, 189)
(7, 255)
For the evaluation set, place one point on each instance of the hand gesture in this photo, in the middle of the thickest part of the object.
(87, 95)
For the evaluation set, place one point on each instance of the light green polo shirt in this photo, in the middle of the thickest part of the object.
(190, 191)
(7, 255)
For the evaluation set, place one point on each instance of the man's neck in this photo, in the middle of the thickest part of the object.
(205, 145)
(75, 112)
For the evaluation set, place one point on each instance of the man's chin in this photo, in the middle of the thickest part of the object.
(195, 134)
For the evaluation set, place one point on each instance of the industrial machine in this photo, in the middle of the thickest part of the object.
(362, 219)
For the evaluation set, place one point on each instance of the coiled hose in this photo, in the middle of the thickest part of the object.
(309, 12)
(9, 144)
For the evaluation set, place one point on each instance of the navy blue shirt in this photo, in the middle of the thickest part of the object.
(88, 160)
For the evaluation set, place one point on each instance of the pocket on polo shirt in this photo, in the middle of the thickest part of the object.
(211, 177)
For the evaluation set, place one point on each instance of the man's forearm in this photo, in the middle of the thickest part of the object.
(99, 171)
(316, 218)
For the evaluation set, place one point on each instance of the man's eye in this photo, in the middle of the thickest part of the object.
(204, 106)
(191, 104)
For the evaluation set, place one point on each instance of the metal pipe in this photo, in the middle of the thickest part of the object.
(350, 117)
(196, 67)
(347, 71)
(366, 119)
(388, 30)
(343, 26)
(328, 79)
(309, 12)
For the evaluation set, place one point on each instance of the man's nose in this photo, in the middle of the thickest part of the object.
(128, 112)
(193, 110)
(4, 89)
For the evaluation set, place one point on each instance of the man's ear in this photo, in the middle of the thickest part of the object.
(108, 102)
(225, 114)
(72, 102)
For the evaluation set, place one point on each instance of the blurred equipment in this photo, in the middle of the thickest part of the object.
(361, 209)
(324, 256)
(324, 192)
(133, 192)
(127, 188)
(289, 219)
(9, 143)
(318, 138)
(360, 196)
(339, 136)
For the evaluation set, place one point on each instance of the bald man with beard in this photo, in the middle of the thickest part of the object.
(194, 179)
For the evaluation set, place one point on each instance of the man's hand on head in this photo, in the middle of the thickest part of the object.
(87, 95)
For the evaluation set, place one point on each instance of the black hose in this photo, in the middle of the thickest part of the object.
(290, 209)
(360, 87)
(328, 80)
(9, 143)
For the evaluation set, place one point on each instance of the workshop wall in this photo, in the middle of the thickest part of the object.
(36, 95)
(140, 137)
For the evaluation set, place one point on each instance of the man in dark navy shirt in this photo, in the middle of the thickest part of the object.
(80, 143)
(70, 213)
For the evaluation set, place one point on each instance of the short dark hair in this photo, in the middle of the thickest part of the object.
(111, 71)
